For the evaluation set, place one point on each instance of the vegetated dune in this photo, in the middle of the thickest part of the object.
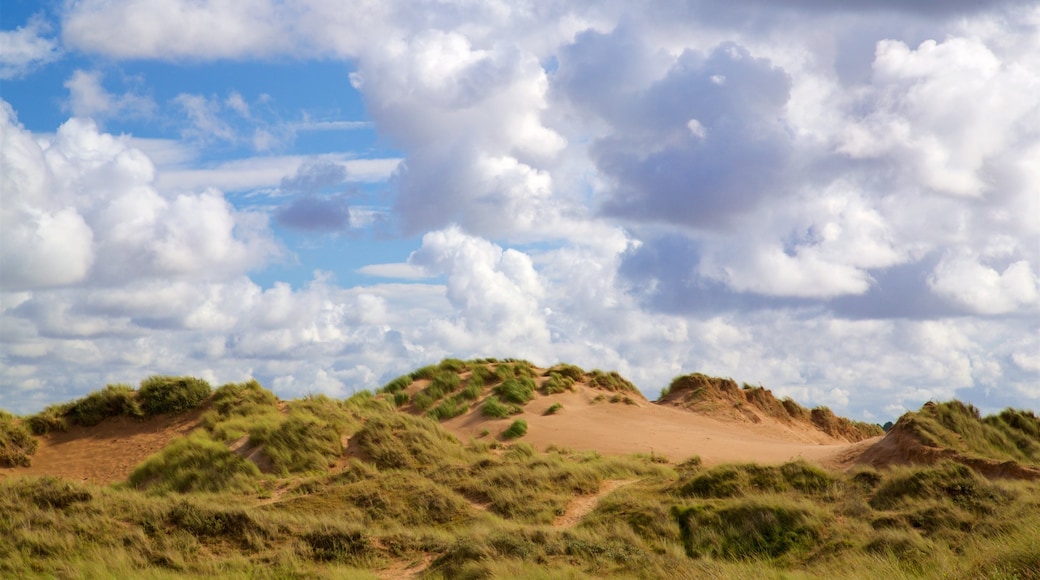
(106, 452)
(1005, 445)
(488, 469)
(723, 399)
(602, 412)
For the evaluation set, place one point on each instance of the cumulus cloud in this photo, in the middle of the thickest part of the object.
(26, 49)
(496, 292)
(82, 209)
(837, 201)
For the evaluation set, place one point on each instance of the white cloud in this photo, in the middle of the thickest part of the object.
(88, 98)
(496, 293)
(839, 204)
(82, 209)
(269, 171)
(983, 289)
(24, 49)
(943, 111)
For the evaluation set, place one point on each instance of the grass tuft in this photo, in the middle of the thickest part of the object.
(17, 443)
(166, 394)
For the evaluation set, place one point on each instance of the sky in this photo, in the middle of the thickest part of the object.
(837, 200)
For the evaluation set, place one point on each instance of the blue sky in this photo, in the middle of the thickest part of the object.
(838, 201)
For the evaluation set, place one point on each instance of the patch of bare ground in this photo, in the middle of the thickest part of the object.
(407, 568)
(581, 506)
(588, 421)
(107, 452)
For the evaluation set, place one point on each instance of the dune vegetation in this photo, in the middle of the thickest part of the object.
(375, 486)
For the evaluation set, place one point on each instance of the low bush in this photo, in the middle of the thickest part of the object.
(553, 409)
(166, 394)
(17, 443)
(516, 430)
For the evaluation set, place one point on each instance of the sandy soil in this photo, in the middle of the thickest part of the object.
(647, 428)
(107, 452)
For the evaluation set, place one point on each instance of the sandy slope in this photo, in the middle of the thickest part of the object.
(107, 452)
(648, 428)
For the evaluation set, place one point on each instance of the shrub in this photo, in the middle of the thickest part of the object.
(555, 408)
(16, 442)
(516, 430)
(165, 394)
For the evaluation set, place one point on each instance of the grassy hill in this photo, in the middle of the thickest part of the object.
(374, 486)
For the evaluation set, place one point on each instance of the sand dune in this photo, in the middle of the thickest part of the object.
(619, 428)
(108, 452)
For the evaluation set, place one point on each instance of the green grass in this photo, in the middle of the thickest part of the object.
(195, 463)
(1008, 436)
(17, 443)
(553, 409)
(516, 390)
(166, 394)
(415, 494)
(516, 430)
(493, 407)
